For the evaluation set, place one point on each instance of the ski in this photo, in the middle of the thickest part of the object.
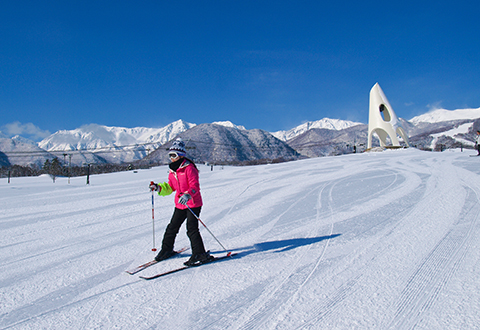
(150, 263)
(228, 255)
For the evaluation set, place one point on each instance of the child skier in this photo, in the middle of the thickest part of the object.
(183, 179)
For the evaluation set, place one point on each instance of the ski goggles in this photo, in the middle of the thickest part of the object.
(174, 155)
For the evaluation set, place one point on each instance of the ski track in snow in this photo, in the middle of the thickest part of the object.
(368, 241)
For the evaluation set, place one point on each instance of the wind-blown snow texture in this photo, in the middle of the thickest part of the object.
(385, 240)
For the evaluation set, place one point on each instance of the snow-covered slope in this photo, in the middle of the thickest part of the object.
(367, 241)
(442, 128)
(21, 139)
(440, 115)
(457, 134)
(228, 123)
(332, 124)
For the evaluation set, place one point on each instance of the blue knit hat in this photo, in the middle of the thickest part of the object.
(178, 146)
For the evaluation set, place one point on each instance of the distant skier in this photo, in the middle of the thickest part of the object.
(183, 179)
(477, 143)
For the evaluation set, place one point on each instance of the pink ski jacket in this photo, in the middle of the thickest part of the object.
(184, 180)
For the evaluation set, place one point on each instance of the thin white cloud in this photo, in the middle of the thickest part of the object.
(27, 130)
(434, 106)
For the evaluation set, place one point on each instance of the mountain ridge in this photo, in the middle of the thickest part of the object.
(326, 123)
(224, 144)
(441, 115)
(108, 144)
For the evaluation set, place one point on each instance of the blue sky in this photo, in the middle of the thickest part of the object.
(261, 64)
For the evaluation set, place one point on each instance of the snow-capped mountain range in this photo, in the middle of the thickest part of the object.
(327, 123)
(104, 144)
(93, 137)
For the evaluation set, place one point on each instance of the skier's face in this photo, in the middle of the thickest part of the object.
(173, 156)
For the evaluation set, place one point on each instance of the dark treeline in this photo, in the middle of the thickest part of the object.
(55, 169)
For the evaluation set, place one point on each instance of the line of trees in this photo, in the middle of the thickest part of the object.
(56, 169)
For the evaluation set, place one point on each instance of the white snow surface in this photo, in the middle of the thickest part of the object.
(440, 115)
(228, 123)
(387, 240)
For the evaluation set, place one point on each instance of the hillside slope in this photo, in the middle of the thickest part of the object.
(366, 241)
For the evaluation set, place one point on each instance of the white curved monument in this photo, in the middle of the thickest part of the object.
(383, 121)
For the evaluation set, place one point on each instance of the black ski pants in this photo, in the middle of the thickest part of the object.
(193, 232)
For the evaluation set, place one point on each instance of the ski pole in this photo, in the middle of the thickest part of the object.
(196, 216)
(153, 221)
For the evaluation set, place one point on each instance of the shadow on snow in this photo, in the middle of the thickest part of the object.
(281, 245)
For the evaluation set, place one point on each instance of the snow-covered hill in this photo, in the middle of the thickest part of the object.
(318, 142)
(367, 241)
(222, 144)
(442, 115)
(440, 129)
(327, 123)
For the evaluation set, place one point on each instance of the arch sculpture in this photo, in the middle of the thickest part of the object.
(383, 121)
